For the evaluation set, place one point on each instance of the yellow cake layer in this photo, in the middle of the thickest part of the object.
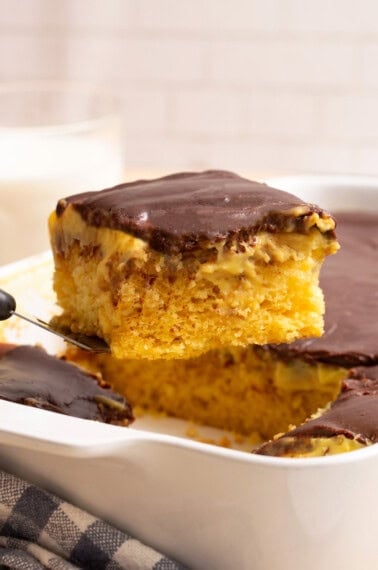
(244, 390)
(146, 304)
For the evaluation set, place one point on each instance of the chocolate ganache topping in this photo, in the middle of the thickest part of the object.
(350, 284)
(28, 375)
(353, 414)
(180, 211)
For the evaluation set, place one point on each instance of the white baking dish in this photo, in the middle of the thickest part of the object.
(210, 508)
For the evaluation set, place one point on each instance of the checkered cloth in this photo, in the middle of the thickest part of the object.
(40, 530)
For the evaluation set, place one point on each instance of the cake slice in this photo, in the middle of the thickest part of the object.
(30, 376)
(180, 265)
(349, 423)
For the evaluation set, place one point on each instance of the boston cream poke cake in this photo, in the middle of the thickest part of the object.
(175, 267)
(267, 389)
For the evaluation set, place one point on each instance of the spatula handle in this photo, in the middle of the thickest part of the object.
(7, 305)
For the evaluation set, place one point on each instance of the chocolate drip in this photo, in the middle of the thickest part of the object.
(28, 375)
(181, 211)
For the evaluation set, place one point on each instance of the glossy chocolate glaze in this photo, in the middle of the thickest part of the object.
(350, 283)
(181, 211)
(28, 375)
(370, 372)
(354, 414)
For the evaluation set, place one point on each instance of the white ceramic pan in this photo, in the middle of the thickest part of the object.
(210, 508)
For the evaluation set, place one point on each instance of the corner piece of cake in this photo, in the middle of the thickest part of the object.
(349, 423)
(30, 376)
(180, 265)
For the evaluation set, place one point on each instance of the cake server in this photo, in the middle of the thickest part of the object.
(91, 343)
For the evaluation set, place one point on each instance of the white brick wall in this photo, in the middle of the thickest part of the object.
(259, 86)
(293, 61)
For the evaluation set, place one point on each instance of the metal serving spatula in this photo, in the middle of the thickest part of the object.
(91, 343)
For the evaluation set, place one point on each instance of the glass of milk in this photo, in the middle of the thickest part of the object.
(56, 139)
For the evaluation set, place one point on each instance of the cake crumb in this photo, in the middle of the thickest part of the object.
(193, 433)
(139, 412)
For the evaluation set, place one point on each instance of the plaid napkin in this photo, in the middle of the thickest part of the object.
(40, 530)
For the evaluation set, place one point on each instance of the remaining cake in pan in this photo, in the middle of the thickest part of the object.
(265, 389)
(174, 267)
(28, 375)
(245, 390)
(349, 423)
